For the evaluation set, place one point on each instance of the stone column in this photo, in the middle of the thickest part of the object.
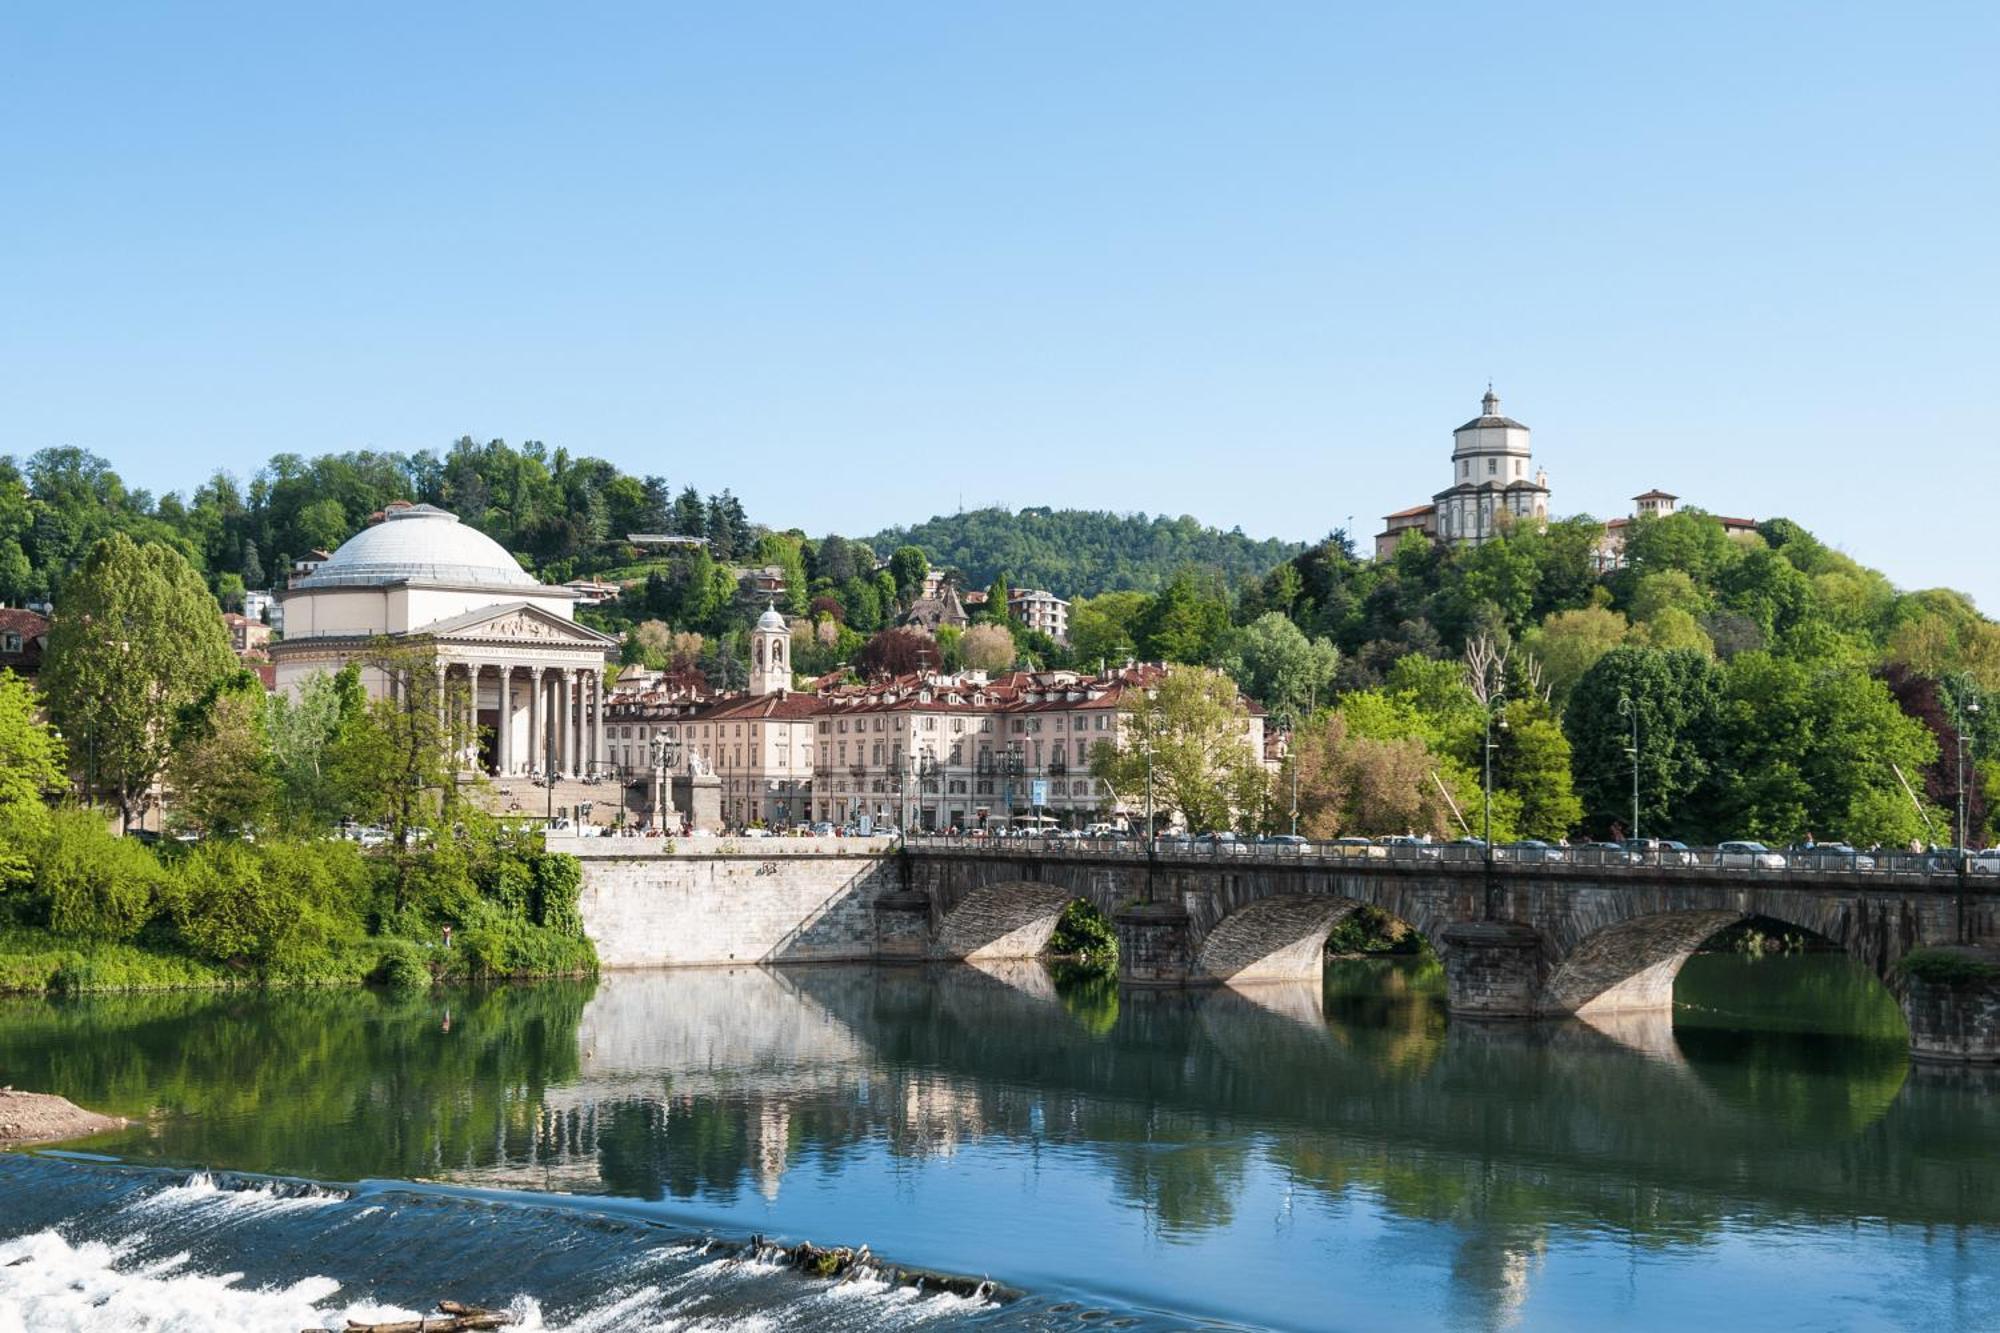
(503, 749)
(600, 749)
(440, 693)
(562, 721)
(537, 714)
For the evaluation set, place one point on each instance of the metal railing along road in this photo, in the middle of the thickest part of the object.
(1468, 854)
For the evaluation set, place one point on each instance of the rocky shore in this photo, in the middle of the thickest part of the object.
(39, 1117)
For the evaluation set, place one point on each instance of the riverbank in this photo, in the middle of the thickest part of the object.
(40, 1117)
(37, 961)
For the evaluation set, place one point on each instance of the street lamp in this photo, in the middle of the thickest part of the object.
(1628, 709)
(1493, 707)
(1972, 709)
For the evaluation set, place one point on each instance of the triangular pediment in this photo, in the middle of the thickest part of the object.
(516, 622)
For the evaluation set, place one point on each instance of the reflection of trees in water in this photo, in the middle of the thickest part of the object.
(338, 1083)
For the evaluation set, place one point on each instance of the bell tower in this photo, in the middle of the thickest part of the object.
(770, 654)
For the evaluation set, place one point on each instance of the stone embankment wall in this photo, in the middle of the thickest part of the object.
(721, 900)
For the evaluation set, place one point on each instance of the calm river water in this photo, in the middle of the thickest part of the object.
(1332, 1157)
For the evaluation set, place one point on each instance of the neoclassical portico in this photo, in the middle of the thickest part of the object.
(507, 648)
(535, 689)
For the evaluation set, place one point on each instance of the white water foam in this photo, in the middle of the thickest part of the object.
(49, 1285)
(199, 1191)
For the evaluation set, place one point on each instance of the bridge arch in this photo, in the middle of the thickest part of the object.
(1003, 920)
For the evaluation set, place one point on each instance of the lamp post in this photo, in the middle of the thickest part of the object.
(1628, 709)
(1972, 711)
(1493, 708)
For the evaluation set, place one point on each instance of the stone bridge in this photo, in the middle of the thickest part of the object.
(1516, 940)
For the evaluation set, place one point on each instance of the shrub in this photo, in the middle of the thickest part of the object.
(96, 885)
(1082, 932)
(1946, 967)
(286, 907)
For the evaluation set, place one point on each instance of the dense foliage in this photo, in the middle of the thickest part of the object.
(1081, 552)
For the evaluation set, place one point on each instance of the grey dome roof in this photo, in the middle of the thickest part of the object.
(420, 544)
(771, 619)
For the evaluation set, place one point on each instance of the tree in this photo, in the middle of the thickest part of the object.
(134, 641)
(1677, 695)
(1532, 760)
(251, 568)
(1276, 664)
(220, 767)
(31, 754)
(31, 772)
(1185, 623)
(909, 567)
(301, 727)
(987, 647)
(1367, 786)
(898, 652)
(1105, 628)
(396, 759)
(1569, 643)
(1194, 725)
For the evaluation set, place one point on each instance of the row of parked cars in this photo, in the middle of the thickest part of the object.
(1737, 854)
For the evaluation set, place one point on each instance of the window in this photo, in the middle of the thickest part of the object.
(1492, 466)
(1465, 468)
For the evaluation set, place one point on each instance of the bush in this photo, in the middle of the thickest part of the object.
(1946, 967)
(403, 969)
(285, 907)
(1082, 932)
(96, 885)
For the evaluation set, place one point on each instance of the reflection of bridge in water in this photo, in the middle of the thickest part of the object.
(1516, 939)
(1610, 1123)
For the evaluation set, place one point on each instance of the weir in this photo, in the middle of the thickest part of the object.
(1518, 941)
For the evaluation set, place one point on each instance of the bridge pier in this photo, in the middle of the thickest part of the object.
(1155, 944)
(1492, 969)
(1954, 1016)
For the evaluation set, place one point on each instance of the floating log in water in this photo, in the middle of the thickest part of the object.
(452, 1317)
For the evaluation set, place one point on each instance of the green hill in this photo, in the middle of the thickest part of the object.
(1082, 552)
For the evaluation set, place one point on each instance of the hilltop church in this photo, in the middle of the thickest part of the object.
(1494, 484)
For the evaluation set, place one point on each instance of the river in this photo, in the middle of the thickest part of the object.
(1302, 1157)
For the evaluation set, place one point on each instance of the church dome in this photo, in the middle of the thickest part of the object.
(419, 544)
(771, 620)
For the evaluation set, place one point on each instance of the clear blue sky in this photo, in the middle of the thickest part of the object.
(860, 262)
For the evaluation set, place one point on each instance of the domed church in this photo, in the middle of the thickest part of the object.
(535, 676)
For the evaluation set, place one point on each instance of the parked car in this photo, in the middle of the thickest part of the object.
(1829, 856)
(1533, 851)
(1356, 847)
(1983, 863)
(1604, 854)
(1404, 845)
(1288, 841)
(1660, 851)
(1739, 855)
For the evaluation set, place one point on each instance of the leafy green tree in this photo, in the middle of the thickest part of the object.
(135, 640)
(1816, 750)
(31, 773)
(1186, 622)
(1569, 643)
(1276, 664)
(1194, 725)
(1532, 761)
(1677, 695)
(909, 566)
(301, 727)
(1105, 628)
(395, 761)
(220, 769)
